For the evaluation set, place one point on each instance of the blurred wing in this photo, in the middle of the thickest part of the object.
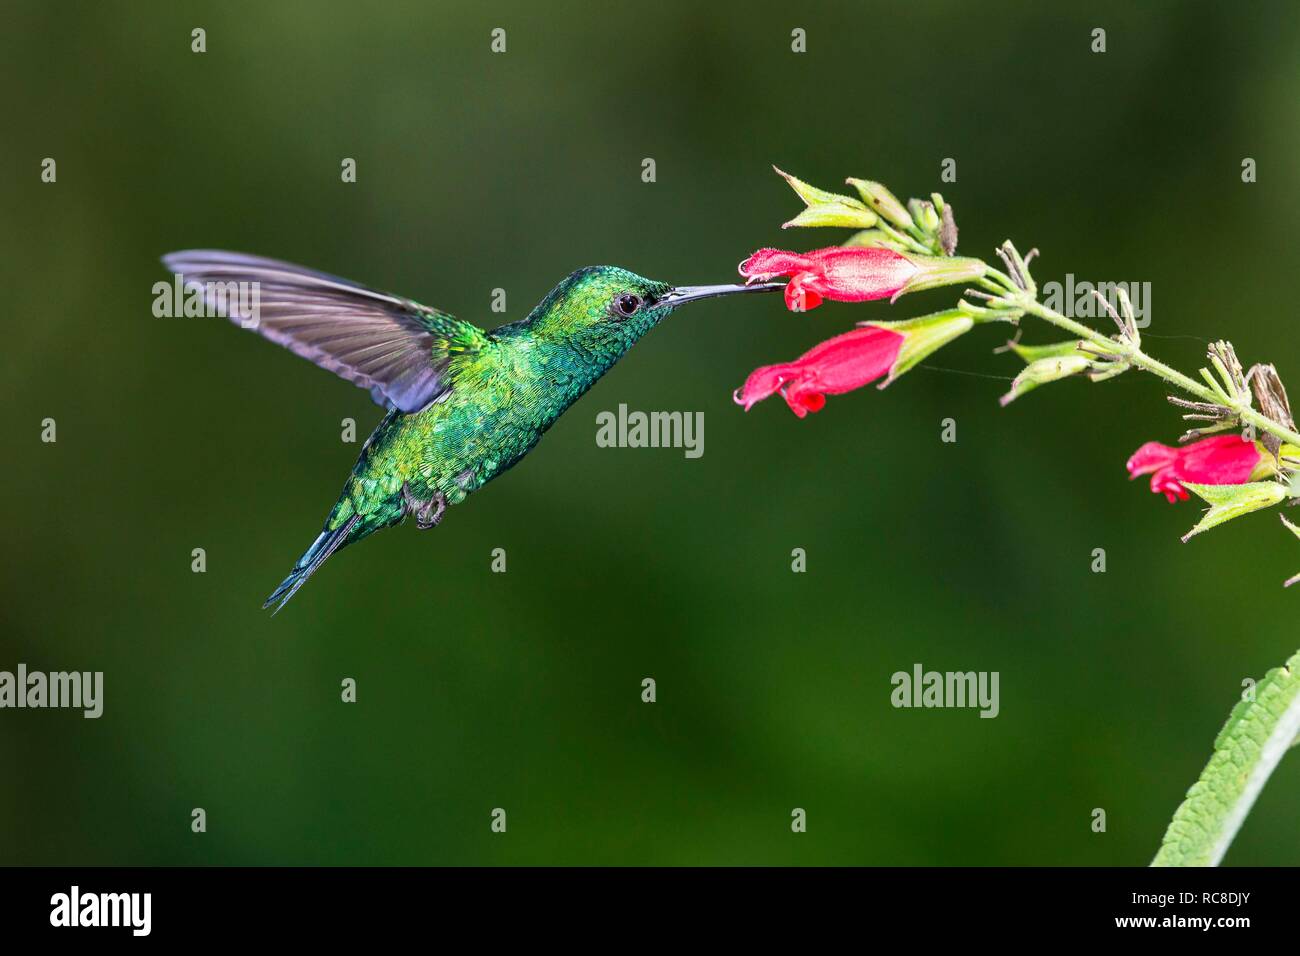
(398, 349)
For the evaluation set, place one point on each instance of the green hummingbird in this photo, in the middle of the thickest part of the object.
(462, 404)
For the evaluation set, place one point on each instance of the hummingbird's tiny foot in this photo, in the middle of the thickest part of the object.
(427, 513)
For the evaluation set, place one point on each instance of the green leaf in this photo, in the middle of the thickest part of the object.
(1233, 501)
(1250, 745)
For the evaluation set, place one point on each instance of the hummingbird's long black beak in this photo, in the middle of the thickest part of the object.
(692, 293)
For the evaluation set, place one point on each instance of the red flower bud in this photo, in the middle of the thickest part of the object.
(1219, 460)
(832, 367)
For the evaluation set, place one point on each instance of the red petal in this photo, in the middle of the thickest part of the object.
(763, 382)
(1149, 457)
(1164, 483)
(832, 367)
(799, 294)
(845, 275)
(769, 263)
(861, 275)
(804, 402)
(1221, 460)
(853, 359)
(1218, 460)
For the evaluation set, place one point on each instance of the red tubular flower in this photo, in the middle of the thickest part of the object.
(845, 275)
(1220, 460)
(832, 367)
(855, 274)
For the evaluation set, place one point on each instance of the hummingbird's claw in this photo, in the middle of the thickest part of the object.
(427, 513)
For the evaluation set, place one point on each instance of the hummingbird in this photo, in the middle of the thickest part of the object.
(462, 404)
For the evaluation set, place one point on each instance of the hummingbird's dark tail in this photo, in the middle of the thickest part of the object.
(315, 556)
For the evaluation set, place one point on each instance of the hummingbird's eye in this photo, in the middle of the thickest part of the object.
(626, 304)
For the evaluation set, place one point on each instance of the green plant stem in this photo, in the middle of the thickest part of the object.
(1141, 360)
(1259, 731)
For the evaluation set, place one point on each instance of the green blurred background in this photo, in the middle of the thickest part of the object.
(522, 691)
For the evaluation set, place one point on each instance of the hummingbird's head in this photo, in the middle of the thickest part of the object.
(603, 310)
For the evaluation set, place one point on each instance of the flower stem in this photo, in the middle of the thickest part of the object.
(1140, 359)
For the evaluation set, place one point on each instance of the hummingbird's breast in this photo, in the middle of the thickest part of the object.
(498, 409)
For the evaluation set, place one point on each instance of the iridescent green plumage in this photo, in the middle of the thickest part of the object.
(463, 404)
(509, 386)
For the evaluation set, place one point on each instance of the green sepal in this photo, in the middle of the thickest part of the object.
(1232, 501)
(935, 271)
(826, 208)
(836, 214)
(923, 336)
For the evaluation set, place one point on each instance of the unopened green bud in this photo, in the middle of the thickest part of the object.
(885, 203)
(925, 216)
(875, 239)
(1032, 353)
(1044, 370)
